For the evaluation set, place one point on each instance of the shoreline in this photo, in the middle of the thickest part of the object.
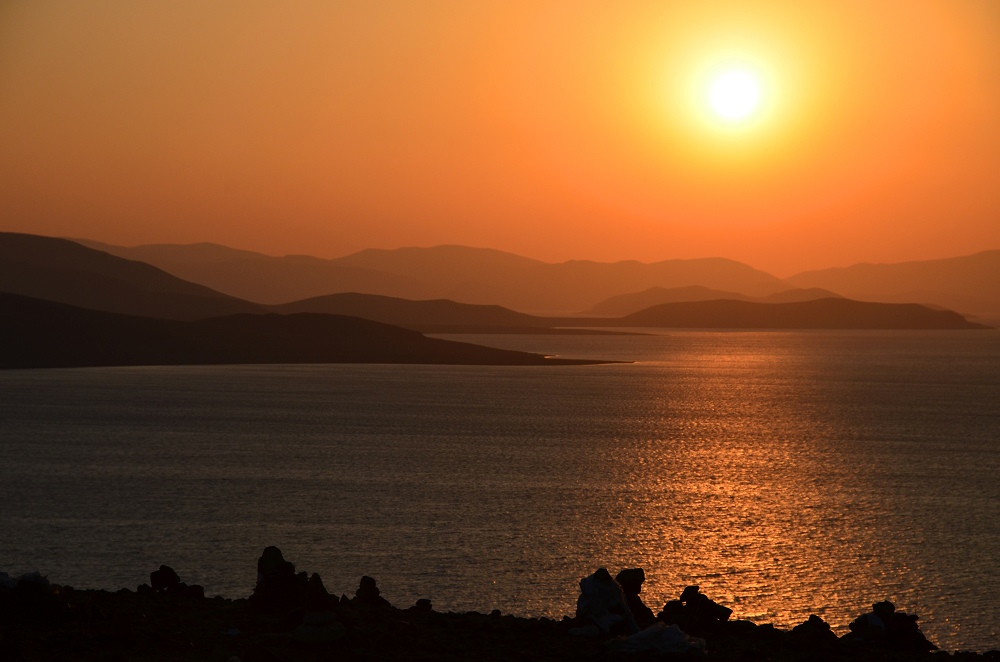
(290, 617)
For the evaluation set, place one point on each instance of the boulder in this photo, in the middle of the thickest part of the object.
(694, 612)
(278, 588)
(902, 633)
(369, 594)
(884, 610)
(317, 599)
(815, 634)
(602, 603)
(867, 627)
(631, 580)
(164, 579)
(272, 564)
(885, 627)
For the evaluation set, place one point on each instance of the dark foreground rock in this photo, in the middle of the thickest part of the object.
(292, 617)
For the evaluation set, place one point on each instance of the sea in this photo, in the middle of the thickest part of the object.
(785, 473)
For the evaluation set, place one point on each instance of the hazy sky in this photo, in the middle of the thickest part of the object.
(556, 130)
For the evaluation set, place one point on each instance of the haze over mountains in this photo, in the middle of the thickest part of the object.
(64, 304)
(64, 271)
(484, 276)
(969, 284)
(625, 304)
(468, 275)
(406, 312)
(831, 313)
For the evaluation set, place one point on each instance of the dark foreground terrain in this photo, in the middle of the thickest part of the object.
(291, 617)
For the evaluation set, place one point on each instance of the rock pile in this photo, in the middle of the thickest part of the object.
(696, 622)
(369, 595)
(694, 612)
(631, 580)
(602, 606)
(278, 588)
(291, 616)
(884, 626)
(167, 580)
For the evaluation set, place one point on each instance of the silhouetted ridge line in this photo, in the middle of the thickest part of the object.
(486, 276)
(64, 271)
(818, 314)
(626, 304)
(44, 334)
(407, 312)
(459, 273)
(967, 284)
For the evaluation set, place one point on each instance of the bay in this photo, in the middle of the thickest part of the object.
(786, 473)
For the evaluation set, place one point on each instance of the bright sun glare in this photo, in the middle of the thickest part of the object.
(734, 94)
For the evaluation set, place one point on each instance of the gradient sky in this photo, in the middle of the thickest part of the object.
(556, 130)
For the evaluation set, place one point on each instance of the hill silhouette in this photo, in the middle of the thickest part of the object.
(46, 334)
(409, 313)
(435, 314)
(62, 271)
(626, 304)
(486, 277)
(458, 273)
(816, 314)
(65, 271)
(968, 284)
(265, 278)
(797, 294)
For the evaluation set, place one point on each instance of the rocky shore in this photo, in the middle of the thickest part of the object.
(290, 617)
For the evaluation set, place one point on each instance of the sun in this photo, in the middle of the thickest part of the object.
(734, 95)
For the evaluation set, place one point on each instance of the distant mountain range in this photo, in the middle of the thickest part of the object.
(969, 284)
(69, 305)
(46, 334)
(467, 275)
(625, 304)
(484, 276)
(65, 305)
(64, 271)
(437, 315)
(408, 313)
(815, 314)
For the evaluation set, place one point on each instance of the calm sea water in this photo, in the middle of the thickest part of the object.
(785, 473)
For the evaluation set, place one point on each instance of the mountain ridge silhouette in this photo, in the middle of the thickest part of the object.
(625, 304)
(46, 334)
(475, 276)
(830, 313)
(489, 276)
(64, 271)
(969, 284)
(91, 282)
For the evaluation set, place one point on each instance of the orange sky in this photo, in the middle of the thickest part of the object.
(556, 130)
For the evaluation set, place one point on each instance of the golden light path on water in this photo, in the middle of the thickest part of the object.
(787, 474)
(746, 557)
(747, 479)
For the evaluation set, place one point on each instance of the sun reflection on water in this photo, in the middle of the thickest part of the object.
(749, 495)
(785, 473)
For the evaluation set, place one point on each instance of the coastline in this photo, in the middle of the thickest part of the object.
(290, 617)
